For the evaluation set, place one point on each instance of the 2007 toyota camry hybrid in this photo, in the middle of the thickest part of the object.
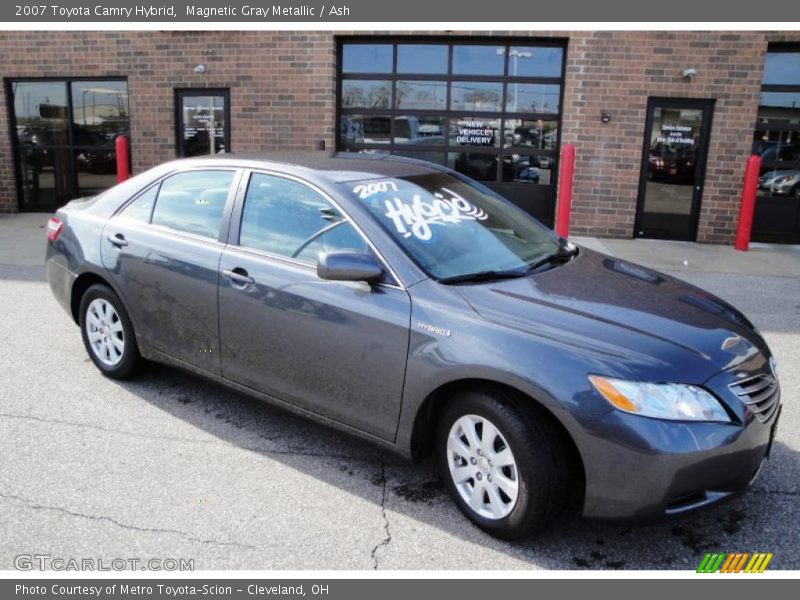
(407, 304)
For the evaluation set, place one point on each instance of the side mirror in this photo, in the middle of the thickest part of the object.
(349, 266)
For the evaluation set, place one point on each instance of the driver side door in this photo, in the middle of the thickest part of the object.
(335, 348)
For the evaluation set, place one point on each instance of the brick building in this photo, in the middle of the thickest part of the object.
(662, 121)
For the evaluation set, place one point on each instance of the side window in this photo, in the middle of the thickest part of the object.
(193, 202)
(288, 218)
(140, 209)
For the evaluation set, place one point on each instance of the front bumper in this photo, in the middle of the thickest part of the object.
(639, 468)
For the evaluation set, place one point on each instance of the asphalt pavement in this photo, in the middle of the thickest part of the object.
(171, 466)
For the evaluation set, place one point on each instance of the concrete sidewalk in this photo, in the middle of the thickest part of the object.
(764, 260)
(22, 244)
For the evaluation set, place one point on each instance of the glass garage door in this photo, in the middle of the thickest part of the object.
(488, 109)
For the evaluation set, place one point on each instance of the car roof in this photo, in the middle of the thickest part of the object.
(335, 167)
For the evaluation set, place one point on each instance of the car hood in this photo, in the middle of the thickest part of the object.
(659, 327)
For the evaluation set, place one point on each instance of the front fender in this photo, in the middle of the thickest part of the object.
(450, 342)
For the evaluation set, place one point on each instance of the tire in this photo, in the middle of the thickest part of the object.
(107, 332)
(538, 464)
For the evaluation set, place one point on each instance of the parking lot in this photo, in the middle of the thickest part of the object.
(171, 466)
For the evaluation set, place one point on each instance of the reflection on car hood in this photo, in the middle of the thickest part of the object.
(662, 328)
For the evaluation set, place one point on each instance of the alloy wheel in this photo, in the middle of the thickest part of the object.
(482, 466)
(104, 331)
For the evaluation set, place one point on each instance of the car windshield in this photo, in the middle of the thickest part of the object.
(454, 230)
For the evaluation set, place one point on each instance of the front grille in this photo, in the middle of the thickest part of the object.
(761, 394)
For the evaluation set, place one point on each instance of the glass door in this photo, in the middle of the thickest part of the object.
(203, 119)
(673, 168)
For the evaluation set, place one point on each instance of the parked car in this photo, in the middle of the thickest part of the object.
(781, 183)
(402, 302)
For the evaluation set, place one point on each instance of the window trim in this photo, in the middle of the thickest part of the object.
(238, 212)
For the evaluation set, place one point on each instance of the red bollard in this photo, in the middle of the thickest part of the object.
(564, 206)
(748, 207)
(121, 146)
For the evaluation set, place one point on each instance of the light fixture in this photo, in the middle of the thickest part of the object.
(200, 69)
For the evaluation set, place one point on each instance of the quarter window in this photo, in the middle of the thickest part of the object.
(193, 202)
(287, 218)
(140, 209)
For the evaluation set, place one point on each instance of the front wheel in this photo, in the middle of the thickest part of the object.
(505, 467)
(108, 333)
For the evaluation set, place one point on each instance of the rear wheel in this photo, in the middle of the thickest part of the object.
(107, 332)
(506, 468)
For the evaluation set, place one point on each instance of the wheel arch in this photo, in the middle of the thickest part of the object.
(423, 431)
(82, 283)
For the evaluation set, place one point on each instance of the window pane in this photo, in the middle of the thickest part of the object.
(419, 95)
(466, 131)
(528, 169)
(201, 115)
(287, 218)
(535, 61)
(531, 134)
(476, 95)
(366, 129)
(193, 202)
(478, 60)
(367, 58)
(421, 58)
(99, 112)
(139, 210)
(96, 169)
(40, 109)
(361, 93)
(782, 68)
(481, 167)
(532, 98)
(419, 130)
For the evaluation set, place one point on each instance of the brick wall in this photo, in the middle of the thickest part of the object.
(282, 87)
(281, 84)
(617, 72)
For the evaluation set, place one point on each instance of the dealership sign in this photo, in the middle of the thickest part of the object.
(474, 133)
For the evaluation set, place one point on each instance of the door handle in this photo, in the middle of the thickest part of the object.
(118, 240)
(238, 276)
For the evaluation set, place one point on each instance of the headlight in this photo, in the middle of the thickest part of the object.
(673, 401)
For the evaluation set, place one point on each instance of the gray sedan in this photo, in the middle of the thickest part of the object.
(406, 304)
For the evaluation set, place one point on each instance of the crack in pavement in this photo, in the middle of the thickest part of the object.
(36, 506)
(106, 429)
(212, 442)
(387, 540)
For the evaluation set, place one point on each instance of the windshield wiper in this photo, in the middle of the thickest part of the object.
(483, 276)
(563, 254)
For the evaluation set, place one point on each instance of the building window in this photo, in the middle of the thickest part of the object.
(777, 141)
(63, 137)
(203, 121)
(490, 109)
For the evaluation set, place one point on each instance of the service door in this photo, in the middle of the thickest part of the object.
(673, 168)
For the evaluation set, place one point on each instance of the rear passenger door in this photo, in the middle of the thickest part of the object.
(335, 348)
(163, 251)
